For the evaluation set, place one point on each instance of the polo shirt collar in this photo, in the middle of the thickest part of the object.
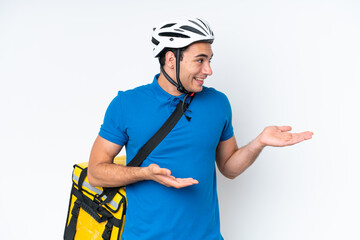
(161, 93)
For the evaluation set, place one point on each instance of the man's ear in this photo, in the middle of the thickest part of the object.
(170, 59)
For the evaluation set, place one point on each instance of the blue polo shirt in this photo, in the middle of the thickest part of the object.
(155, 211)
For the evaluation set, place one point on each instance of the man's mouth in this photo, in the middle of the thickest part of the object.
(200, 80)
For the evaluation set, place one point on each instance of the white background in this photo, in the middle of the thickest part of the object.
(279, 62)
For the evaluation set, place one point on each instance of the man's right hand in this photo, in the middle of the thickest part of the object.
(164, 177)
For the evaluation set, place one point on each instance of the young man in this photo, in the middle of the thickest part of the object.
(173, 194)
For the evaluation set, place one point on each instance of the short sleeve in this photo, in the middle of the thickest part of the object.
(113, 128)
(228, 130)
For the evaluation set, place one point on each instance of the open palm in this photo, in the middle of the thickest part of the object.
(279, 136)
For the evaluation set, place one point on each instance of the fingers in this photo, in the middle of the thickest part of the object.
(299, 137)
(177, 182)
(308, 135)
(186, 180)
(164, 177)
(304, 135)
(181, 182)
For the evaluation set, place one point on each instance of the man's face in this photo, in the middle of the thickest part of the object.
(195, 66)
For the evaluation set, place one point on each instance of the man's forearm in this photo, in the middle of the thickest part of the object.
(232, 160)
(113, 175)
(242, 158)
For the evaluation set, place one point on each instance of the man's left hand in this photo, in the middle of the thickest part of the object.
(279, 136)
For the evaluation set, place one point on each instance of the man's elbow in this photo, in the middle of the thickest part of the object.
(92, 180)
(231, 176)
(228, 174)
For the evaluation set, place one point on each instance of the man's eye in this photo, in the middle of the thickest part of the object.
(200, 60)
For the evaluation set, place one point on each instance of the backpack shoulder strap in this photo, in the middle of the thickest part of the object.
(158, 136)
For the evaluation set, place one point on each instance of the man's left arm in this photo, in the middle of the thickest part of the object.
(232, 161)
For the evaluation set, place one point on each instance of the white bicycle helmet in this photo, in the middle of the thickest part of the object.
(180, 33)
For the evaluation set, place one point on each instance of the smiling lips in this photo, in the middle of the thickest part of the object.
(199, 80)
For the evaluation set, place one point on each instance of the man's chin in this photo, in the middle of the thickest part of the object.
(198, 89)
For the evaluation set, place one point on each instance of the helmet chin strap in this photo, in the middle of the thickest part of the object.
(178, 85)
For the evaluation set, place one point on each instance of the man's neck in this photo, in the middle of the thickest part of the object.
(167, 86)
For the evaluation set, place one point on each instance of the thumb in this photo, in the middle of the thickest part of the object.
(162, 171)
(285, 128)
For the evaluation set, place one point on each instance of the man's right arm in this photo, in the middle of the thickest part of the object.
(102, 172)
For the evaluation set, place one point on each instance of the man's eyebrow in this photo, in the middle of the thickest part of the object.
(204, 55)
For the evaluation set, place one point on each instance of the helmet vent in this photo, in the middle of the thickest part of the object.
(154, 41)
(168, 25)
(198, 25)
(171, 34)
(203, 23)
(191, 29)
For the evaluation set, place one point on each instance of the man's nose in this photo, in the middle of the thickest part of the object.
(207, 69)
